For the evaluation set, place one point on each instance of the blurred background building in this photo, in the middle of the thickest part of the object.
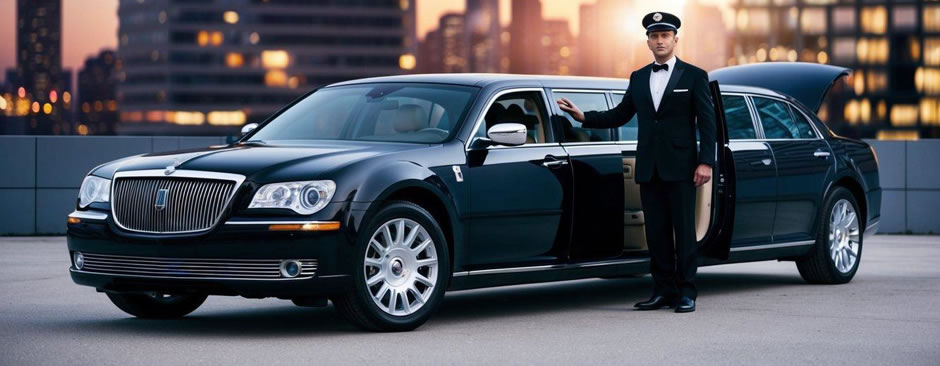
(37, 93)
(208, 67)
(892, 46)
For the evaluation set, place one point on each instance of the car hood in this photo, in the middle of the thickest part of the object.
(806, 82)
(261, 162)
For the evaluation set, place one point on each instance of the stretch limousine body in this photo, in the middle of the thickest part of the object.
(380, 194)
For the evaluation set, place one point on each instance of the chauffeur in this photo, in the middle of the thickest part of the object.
(670, 98)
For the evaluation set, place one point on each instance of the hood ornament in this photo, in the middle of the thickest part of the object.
(170, 169)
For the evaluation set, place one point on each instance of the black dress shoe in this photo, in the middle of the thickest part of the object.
(685, 305)
(654, 303)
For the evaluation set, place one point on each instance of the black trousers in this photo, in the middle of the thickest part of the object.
(669, 212)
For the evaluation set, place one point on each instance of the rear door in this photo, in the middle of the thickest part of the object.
(597, 169)
(803, 161)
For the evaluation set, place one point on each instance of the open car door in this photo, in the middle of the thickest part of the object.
(715, 241)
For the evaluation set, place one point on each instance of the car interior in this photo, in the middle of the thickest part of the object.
(523, 107)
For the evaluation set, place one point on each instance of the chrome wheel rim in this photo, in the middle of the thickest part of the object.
(843, 236)
(400, 267)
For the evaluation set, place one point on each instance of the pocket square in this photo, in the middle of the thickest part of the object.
(680, 90)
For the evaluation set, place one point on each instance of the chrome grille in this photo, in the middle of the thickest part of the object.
(190, 204)
(191, 267)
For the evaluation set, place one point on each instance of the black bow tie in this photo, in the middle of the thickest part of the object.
(664, 67)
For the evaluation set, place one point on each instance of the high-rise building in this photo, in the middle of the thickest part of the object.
(209, 67)
(97, 102)
(559, 48)
(453, 47)
(606, 47)
(482, 32)
(39, 67)
(702, 38)
(525, 44)
(892, 46)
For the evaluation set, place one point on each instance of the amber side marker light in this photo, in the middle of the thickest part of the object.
(74, 220)
(312, 226)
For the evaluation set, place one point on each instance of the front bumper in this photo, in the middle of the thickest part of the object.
(95, 235)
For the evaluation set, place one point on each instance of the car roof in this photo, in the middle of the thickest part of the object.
(483, 80)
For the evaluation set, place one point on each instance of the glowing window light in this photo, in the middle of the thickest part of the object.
(47, 108)
(82, 129)
(67, 97)
(112, 105)
(202, 38)
(3, 104)
(230, 17)
(254, 37)
(98, 106)
(217, 38)
(185, 117)
(898, 135)
(234, 60)
(275, 59)
(227, 118)
(903, 115)
(53, 96)
(86, 108)
(21, 92)
(35, 107)
(874, 20)
(275, 78)
(407, 61)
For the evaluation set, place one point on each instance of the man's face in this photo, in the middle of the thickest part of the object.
(662, 43)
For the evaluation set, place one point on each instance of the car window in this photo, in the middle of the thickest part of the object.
(394, 112)
(802, 124)
(738, 117)
(572, 130)
(628, 132)
(775, 118)
(527, 108)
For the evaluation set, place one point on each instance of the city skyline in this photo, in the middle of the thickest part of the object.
(90, 26)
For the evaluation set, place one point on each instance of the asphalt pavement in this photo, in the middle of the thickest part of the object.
(753, 313)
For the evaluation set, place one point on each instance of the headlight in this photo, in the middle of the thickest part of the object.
(94, 189)
(304, 198)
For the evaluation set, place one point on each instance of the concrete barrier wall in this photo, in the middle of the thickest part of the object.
(40, 177)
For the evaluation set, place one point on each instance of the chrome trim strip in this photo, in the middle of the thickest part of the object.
(598, 91)
(192, 278)
(772, 246)
(240, 222)
(160, 173)
(85, 215)
(872, 228)
(551, 267)
(489, 103)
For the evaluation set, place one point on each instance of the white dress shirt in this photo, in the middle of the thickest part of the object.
(658, 81)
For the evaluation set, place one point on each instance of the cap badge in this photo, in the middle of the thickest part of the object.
(657, 17)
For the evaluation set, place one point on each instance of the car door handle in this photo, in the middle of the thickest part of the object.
(764, 162)
(821, 154)
(554, 162)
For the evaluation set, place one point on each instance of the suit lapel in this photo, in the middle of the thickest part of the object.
(673, 79)
(644, 84)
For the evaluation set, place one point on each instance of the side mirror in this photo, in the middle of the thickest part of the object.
(248, 128)
(511, 134)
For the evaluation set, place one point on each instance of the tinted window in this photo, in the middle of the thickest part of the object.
(526, 108)
(775, 118)
(802, 124)
(740, 125)
(572, 129)
(628, 132)
(397, 112)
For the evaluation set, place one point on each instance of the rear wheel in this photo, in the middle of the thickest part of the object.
(835, 257)
(157, 305)
(401, 270)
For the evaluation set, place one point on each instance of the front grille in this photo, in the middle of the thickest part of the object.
(187, 204)
(191, 267)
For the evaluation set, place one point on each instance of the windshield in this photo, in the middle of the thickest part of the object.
(394, 112)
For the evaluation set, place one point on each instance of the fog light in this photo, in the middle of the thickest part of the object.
(291, 268)
(79, 260)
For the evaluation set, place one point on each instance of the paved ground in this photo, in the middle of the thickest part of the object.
(755, 313)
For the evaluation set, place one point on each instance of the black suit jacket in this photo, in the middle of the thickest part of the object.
(666, 138)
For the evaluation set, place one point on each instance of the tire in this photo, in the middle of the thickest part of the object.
(157, 306)
(392, 272)
(831, 260)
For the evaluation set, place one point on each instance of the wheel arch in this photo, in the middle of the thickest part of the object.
(857, 191)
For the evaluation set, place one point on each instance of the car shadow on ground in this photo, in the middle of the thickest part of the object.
(459, 307)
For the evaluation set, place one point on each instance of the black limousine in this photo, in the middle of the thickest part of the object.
(380, 194)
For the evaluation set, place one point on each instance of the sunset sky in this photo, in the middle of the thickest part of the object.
(90, 25)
